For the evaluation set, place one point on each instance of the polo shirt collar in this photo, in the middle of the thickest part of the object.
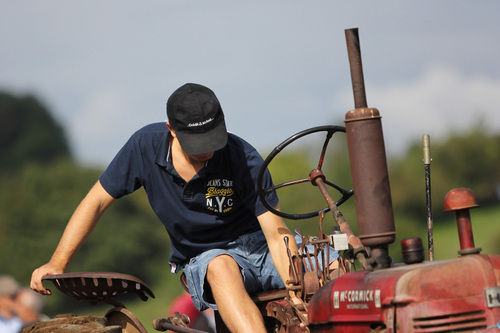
(164, 158)
(163, 152)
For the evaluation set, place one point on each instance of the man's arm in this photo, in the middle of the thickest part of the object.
(275, 231)
(78, 229)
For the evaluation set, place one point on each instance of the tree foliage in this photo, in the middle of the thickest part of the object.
(463, 159)
(39, 197)
(28, 133)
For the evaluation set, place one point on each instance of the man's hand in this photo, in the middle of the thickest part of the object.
(39, 273)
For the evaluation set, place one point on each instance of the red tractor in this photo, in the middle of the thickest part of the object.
(457, 295)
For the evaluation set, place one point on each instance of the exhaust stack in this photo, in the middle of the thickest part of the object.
(367, 156)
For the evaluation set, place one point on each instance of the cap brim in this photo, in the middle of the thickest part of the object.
(203, 143)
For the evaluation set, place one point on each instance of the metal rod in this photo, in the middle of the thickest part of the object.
(162, 325)
(341, 221)
(358, 81)
(426, 142)
(295, 276)
(464, 226)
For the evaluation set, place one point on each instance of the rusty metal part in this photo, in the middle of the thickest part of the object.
(269, 295)
(293, 270)
(322, 252)
(289, 316)
(379, 257)
(318, 271)
(413, 250)
(303, 245)
(281, 311)
(321, 216)
(370, 178)
(367, 157)
(426, 143)
(179, 319)
(317, 178)
(99, 286)
(357, 78)
(162, 325)
(326, 256)
(460, 200)
(302, 317)
(465, 233)
(321, 268)
(309, 259)
(303, 250)
(311, 283)
(300, 268)
(125, 319)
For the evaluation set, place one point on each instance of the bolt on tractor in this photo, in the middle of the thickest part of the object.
(456, 295)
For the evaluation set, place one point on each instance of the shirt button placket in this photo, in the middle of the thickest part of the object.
(187, 193)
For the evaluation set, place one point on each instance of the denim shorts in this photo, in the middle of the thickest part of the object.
(251, 253)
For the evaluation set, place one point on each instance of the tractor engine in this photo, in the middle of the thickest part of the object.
(439, 296)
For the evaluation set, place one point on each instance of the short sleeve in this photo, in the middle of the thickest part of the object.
(124, 174)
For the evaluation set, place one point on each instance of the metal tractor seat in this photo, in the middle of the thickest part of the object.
(103, 287)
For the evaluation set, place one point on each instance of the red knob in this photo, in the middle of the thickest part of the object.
(459, 198)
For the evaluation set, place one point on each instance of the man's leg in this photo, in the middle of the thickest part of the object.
(239, 312)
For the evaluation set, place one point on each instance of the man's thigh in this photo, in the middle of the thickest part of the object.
(251, 254)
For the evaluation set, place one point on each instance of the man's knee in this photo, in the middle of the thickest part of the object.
(222, 264)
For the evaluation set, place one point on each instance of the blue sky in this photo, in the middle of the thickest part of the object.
(106, 68)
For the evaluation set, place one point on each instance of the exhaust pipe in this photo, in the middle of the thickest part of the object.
(367, 157)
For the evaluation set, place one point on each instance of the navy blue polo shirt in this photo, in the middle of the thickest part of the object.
(216, 206)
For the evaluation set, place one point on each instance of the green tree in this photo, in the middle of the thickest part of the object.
(462, 159)
(28, 132)
(35, 206)
(41, 187)
(469, 159)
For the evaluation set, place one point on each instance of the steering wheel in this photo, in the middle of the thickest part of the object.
(314, 176)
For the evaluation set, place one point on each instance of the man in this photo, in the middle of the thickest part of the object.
(201, 183)
(29, 307)
(9, 320)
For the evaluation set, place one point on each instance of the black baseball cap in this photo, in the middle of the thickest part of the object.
(195, 114)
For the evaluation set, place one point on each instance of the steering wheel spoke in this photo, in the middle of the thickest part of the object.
(263, 192)
(293, 182)
(346, 194)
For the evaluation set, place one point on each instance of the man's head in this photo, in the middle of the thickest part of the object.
(9, 286)
(195, 114)
(29, 305)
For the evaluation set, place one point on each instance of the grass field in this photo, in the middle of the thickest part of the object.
(485, 227)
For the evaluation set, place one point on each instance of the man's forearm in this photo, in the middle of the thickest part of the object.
(275, 231)
(81, 225)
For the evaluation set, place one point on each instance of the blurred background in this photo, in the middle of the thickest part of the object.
(77, 79)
